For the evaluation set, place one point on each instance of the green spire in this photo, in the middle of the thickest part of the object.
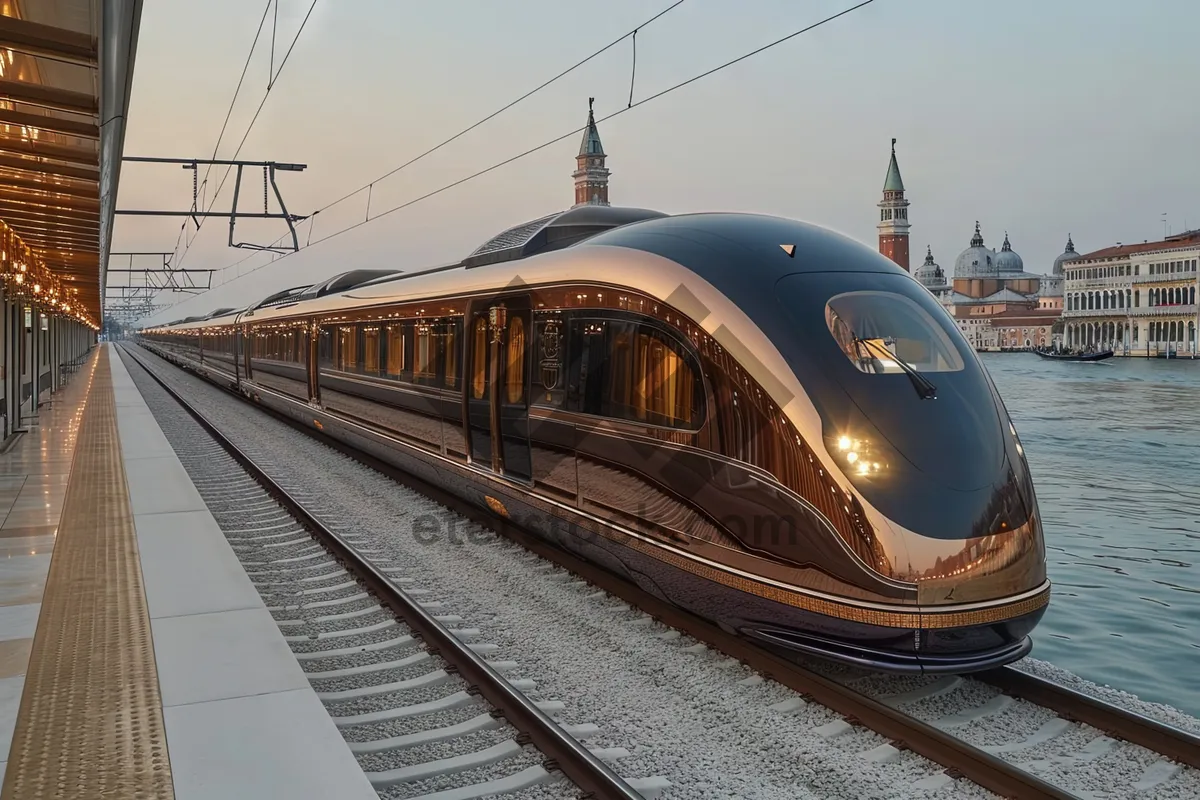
(893, 182)
(591, 136)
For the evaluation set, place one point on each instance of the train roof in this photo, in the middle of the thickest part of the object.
(345, 281)
(735, 253)
(554, 232)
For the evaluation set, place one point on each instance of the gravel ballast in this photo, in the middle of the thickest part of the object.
(707, 723)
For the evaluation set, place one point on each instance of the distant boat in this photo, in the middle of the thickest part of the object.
(1103, 354)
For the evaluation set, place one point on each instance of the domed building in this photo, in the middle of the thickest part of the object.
(1008, 262)
(930, 274)
(976, 261)
(933, 278)
(995, 301)
(981, 275)
(1068, 255)
(1052, 285)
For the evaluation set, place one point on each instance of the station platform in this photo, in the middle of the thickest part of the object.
(136, 658)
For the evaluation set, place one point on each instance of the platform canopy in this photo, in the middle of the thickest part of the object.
(66, 67)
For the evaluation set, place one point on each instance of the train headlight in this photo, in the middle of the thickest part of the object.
(859, 457)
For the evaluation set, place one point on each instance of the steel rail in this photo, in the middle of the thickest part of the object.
(1174, 743)
(960, 758)
(564, 752)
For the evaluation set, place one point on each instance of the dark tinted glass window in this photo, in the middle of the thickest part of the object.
(633, 370)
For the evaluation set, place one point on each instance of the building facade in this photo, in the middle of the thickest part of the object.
(591, 176)
(1138, 299)
(893, 215)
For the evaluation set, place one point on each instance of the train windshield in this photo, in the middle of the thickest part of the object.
(881, 332)
(906, 407)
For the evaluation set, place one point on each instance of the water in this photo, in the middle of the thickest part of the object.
(1115, 452)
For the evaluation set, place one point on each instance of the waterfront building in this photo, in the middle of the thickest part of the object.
(591, 176)
(1139, 299)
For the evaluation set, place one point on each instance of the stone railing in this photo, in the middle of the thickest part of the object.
(1116, 281)
(1188, 310)
(1172, 277)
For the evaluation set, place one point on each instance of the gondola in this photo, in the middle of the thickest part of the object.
(1103, 354)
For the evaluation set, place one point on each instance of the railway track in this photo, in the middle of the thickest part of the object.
(420, 705)
(894, 709)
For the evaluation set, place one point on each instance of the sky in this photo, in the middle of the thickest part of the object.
(1036, 118)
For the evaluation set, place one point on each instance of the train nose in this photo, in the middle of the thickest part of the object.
(1001, 565)
(980, 603)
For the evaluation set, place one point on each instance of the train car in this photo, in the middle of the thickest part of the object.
(759, 420)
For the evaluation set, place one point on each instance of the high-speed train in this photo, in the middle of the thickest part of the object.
(759, 420)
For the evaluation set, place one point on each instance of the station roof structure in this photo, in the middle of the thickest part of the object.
(66, 67)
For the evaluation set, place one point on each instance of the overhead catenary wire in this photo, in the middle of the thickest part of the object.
(271, 85)
(551, 142)
(503, 108)
(368, 187)
(229, 113)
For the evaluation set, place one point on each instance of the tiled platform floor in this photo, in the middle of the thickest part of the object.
(240, 719)
(33, 483)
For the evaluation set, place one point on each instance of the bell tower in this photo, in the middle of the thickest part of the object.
(591, 177)
(893, 216)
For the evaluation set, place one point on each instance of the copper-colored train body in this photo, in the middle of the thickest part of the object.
(699, 403)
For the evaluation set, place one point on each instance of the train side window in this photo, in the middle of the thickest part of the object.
(325, 344)
(479, 360)
(425, 357)
(395, 351)
(514, 368)
(347, 348)
(633, 371)
(451, 355)
(371, 350)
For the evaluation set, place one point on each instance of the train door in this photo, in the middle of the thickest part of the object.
(497, 389)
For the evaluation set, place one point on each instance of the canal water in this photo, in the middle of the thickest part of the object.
(1115, 452)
